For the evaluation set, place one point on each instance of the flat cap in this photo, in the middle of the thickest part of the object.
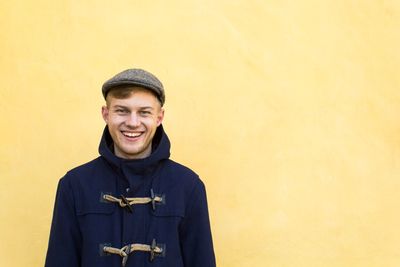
(136, 77)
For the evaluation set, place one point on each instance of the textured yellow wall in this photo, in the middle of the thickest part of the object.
(289, 110)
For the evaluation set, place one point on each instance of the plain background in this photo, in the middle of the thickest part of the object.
(288, 110)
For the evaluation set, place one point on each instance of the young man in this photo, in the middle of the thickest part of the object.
(132, 206)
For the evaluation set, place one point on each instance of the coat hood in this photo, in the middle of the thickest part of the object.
(160, 151)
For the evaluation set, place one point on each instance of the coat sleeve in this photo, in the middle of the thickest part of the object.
(195, 232)
(65, 238)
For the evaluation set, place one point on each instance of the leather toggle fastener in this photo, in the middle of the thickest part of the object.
(125, 258)
(153, 199)
(128, 202)
(154, 249)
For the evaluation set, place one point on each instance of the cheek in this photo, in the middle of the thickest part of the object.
(152, 122)
(115, 120)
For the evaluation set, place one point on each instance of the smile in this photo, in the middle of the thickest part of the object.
(132, 135)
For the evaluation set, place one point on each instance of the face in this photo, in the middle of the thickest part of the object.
(132, 123)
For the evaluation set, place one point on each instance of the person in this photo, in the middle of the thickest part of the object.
(132, 205)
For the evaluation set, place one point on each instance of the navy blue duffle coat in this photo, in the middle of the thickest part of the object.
(83, 223)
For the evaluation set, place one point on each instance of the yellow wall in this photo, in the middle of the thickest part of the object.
(289, 111)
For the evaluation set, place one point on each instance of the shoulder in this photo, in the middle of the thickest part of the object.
(86, 171)
(180, 185)
(177, 168)
(180, 173)
(85, 167)
(181, 177)
(87, 181)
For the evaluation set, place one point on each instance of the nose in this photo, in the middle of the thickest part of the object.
(132, 120)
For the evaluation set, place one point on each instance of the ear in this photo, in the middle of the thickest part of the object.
(105, 113)
(160, 117)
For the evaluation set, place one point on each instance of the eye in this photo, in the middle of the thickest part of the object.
(145, 112)
(121, 111)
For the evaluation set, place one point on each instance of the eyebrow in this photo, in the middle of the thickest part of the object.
(119, 106)
(125, 107)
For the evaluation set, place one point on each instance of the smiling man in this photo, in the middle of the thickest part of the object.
(131, 206)
(132, 115)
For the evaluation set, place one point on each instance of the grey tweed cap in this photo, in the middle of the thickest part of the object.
(136, 77)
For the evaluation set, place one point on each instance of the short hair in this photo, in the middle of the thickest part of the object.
(124, 91)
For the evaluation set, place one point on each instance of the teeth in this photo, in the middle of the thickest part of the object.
(132, 134)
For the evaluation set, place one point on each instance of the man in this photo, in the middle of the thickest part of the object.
(131, 206)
